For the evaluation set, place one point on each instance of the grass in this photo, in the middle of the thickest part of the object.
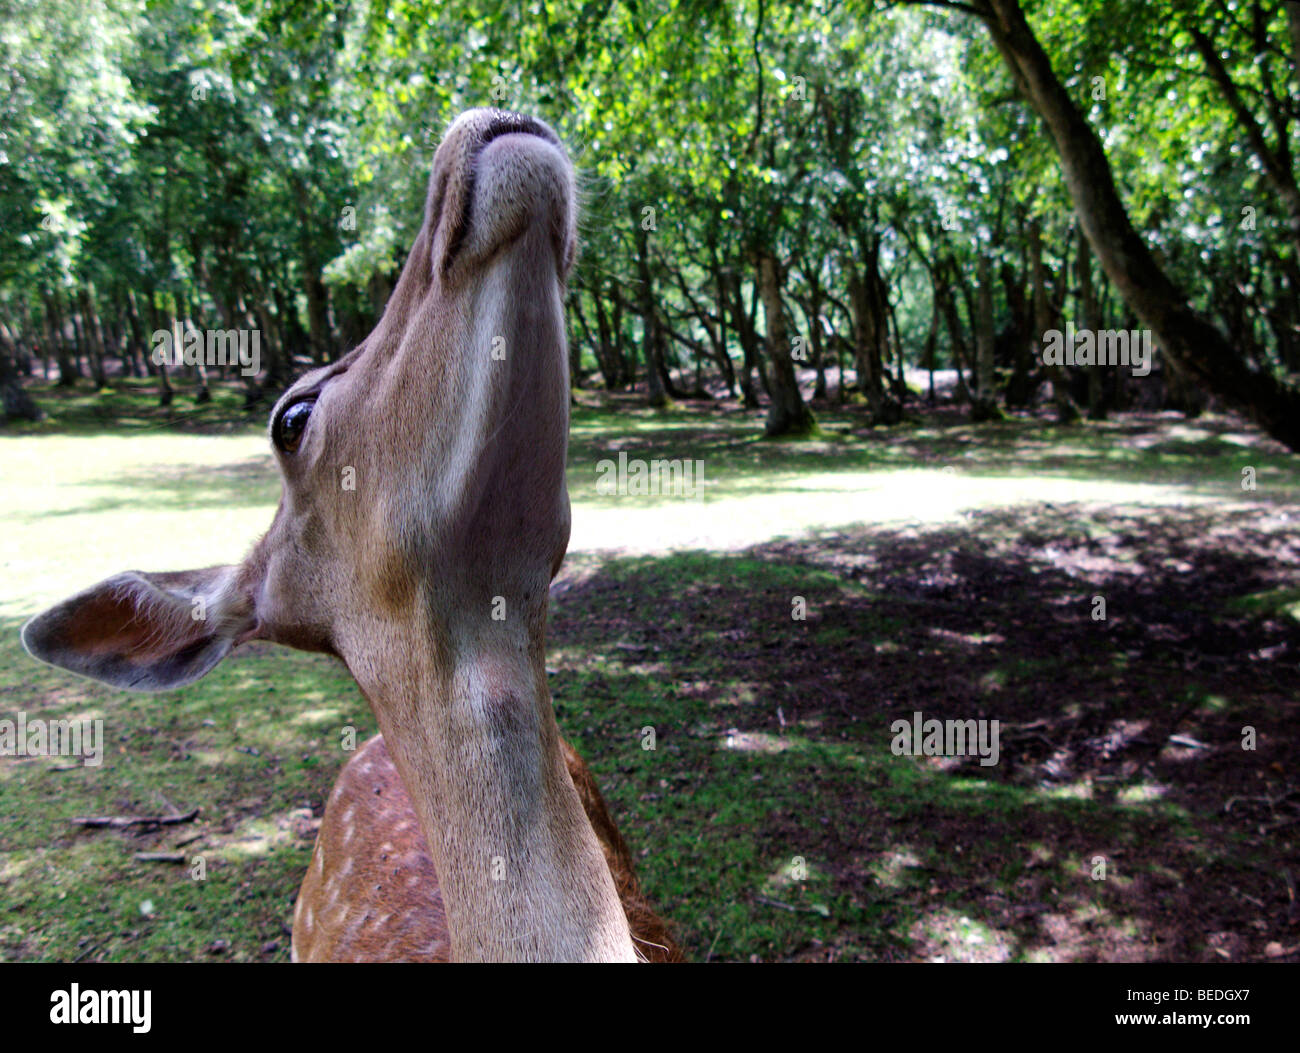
(770, 819)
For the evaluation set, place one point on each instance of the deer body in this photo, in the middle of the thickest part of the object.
(429, 578)
(371, 893)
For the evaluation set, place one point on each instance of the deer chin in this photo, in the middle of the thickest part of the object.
(497, 176)
(522, 185)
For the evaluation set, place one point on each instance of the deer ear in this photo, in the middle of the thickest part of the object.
(145, 632)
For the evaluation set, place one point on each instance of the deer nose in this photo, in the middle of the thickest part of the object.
(487, 194)
(481, 126)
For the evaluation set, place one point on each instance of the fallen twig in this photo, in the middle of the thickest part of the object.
(790, 906)
(160, 857)
(716, 938)
(119, 822)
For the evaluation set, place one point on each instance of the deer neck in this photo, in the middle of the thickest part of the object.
(473, 733)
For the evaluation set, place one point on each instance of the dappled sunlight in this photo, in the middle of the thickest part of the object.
(735, 693)
(925, 476)
(257, 837)
(14, 865)
(901, 496)
(1080, 790)
(970, 640)
(966, 594)
(791, 872)
(947, 935)
(329, 715)
(1143, 793)
(140, 490)
(897, 867)
(755, 742)
(215, 758)
(1089, 934)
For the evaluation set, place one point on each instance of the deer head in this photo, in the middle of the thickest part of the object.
(423, 514)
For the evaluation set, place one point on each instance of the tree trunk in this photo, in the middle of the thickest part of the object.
(575, 347)
(626, 358)
(317, 296)
(16, 403)
(787, 414)
(277, 363)
(184, 322)
(649, 320)
(952, 319)
(605, 353)
(1181, 333)
(815, 335)
(760, 359)
(724, 355)
(931, 340)
(139, 345)
(985, 404)
(69, 368)
(1044, 319)
(864, 360)
(94, 338)
(1025, 378)
(895, 340)
(1091, 320)
(741, 322)
(166, 394)
(50, 343)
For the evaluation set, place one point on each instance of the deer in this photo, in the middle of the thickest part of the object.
(424, 512)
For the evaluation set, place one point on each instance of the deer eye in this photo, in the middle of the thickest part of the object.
(289, 426)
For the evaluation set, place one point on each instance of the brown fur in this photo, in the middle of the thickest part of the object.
(388, 906)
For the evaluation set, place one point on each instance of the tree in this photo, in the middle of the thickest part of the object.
(1192, 342)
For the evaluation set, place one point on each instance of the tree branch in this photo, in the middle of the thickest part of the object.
(973, 9)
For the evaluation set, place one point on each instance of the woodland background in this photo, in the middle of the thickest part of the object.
(822, 244)
(893, 186)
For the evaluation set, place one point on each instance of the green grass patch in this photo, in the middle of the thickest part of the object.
(770, 820)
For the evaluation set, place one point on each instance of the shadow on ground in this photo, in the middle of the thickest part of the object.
(771, 819)
(1121, 739)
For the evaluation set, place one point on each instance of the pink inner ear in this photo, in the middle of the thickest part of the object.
(130, 620)
(139, 631)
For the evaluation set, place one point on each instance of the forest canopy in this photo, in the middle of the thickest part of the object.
(781, 203)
